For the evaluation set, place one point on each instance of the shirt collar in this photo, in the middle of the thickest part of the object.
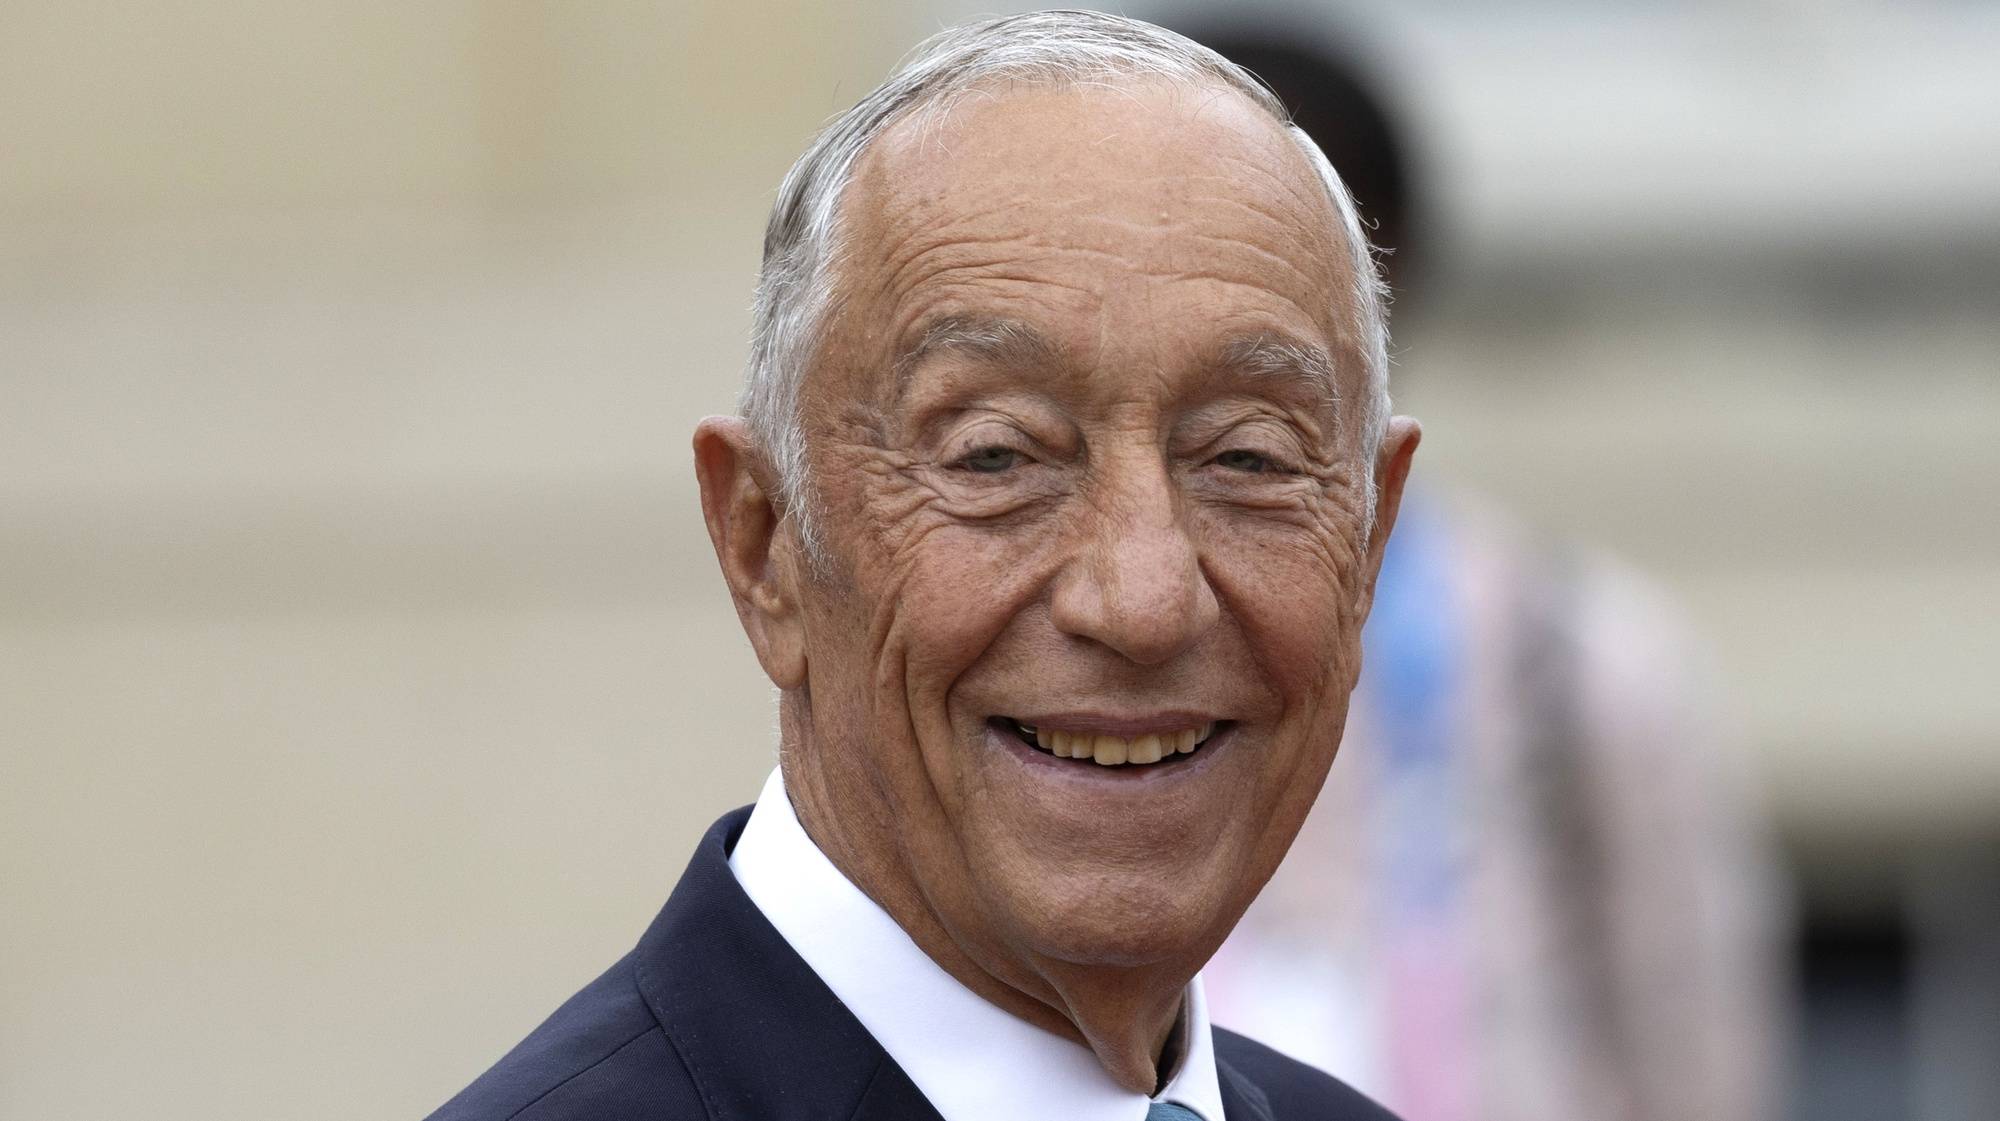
(972, 1060)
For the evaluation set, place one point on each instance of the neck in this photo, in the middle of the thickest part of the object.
(1126, 1015)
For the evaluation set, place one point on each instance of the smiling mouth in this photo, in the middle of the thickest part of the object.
(1111, 751)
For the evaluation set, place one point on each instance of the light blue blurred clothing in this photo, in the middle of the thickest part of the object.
(1535, 887)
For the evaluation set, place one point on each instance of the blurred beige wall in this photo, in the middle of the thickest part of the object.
(159, 112)
(364, 679)
(364, 675)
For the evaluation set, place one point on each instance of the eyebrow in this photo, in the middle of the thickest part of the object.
(1283, 358)
(1266, 356)
(999, 342)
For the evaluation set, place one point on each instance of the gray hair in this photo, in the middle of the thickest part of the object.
(802, 240)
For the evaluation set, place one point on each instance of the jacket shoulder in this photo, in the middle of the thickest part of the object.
(1294, 1089)
(601, 1056)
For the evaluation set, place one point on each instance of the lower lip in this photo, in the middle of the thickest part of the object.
(1084, 770)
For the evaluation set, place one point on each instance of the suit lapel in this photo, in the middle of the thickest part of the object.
(891, 1096)
(761, 1035)
(1241, 1099)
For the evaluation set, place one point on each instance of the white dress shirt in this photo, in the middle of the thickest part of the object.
(973, 1060)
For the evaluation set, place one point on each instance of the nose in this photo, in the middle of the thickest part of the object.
(1136, 584)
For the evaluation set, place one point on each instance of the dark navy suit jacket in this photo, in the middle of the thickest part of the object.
(714, 1017)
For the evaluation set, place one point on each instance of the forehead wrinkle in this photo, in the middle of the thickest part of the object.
(1287, 179)
(942, 264)
(927, 273)
(1007, 228)
(1216, 270)
(923, 246)
(919, 253)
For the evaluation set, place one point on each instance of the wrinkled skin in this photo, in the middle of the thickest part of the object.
(1111, 520)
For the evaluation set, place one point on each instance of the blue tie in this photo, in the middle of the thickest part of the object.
(1168, 1111)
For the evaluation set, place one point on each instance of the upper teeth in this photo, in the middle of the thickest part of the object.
(1111, 751)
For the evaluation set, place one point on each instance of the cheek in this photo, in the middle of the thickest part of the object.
(1292, 586)
(948, 593)
(954, 592)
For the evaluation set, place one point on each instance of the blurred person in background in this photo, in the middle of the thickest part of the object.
(1538, 890)
(1541, 891)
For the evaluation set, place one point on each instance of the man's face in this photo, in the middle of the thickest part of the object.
(1098, 531)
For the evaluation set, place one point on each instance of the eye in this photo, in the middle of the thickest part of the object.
(990, 460)
(1241, 459)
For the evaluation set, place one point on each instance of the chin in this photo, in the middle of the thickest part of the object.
(1102, 918)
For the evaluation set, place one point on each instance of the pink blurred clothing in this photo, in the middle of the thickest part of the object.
(1535, 887)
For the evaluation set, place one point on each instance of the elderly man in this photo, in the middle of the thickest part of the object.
(1055, 512)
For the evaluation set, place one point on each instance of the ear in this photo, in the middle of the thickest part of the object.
(757, 556)
(1392, 470)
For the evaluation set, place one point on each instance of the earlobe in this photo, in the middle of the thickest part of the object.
(1392, 471)
(754, 547)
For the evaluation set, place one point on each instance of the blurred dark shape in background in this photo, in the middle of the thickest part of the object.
(1332, 98)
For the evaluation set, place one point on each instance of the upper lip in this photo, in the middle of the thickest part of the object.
(1126, 726)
